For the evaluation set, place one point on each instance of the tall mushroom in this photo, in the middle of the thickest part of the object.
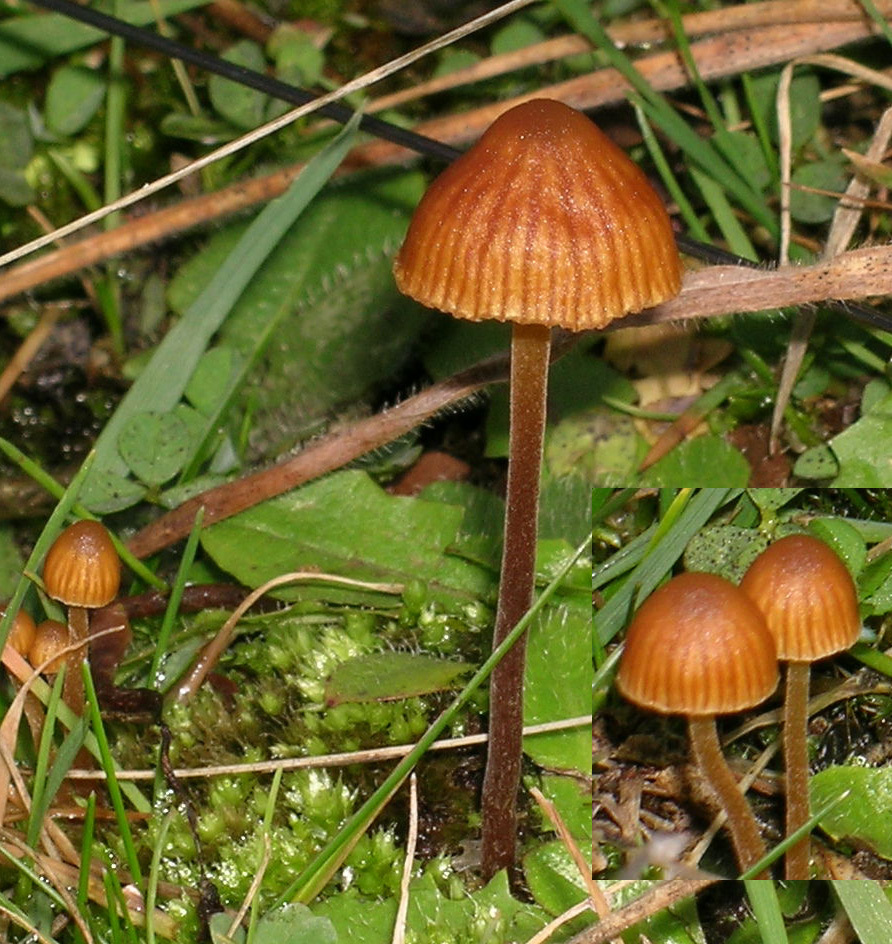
(82, 570)
(810, 604)
(545, 222)
(699, 647)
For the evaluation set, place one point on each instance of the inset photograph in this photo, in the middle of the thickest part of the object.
(742, 702)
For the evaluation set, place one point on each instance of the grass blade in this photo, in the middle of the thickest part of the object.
(867, 908)
(767, 910)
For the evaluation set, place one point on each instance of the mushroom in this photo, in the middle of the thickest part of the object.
(50, 638)
(545, 222)
(699, 647)
(82, 570)
(810, 604)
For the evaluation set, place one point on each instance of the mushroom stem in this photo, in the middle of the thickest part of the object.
(797, 858)
(530, 349)
(78, 631)
(745, 837)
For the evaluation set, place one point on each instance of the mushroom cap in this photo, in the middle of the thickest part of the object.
(808, 598)
(698, 646)
(21, 632)
(51, 637)
(543, 221)
(82, 568)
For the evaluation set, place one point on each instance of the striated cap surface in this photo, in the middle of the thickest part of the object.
(808, 598)
(82, 568)
(543, 221)
(698, 646)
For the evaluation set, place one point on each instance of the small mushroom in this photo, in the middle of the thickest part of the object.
(21, 633)
(82, 570)
(50, 638)
(810, 604)
(699, 647)
(544, 222)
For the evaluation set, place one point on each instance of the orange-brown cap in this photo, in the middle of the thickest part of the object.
(698, 646)
(808, 597)
(544, 221)
(51, 638)
(82, 568)
(21, 633)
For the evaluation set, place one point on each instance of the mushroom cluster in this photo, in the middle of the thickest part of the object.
(700, 646)
(82, 570)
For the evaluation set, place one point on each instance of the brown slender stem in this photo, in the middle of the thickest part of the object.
(530, 346)
(78, 631)
(748, 845)
(798, 857)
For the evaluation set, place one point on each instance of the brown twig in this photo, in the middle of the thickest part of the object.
(329, 453)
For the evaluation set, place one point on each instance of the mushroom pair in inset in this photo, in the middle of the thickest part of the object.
(544, 223)
(700, 646)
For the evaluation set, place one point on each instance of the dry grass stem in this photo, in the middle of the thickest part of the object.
(255, 886)
(598, 901)
(545, 934)
(402, 911)
(371, 756)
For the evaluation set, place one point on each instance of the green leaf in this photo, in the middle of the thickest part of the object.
(770, 499)
(518, 33)
(844, 539)
(819, 462)
(164, 379)
(862, 817)
(553, 879)
(805, 104)
(868, 908)
(807, 207)
(745, 153)
(294, 924)
(11, 561)
(559, 646)
(703, 461)
(298, 59)
(388, 676)
(724, 549)
(346, 525)
(209, 385)
(14, 188)
(490, 914)
(601, 445)
(154, 446)
(72, 98)
(573, 802)
(16, 145)
(862, 450)
(238, 104)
